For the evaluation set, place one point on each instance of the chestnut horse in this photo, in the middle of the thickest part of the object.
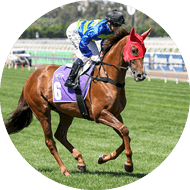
(105, 101)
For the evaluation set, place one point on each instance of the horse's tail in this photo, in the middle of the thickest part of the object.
(20, 118)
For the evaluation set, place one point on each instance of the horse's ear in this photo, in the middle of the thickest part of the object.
(145, 34)
(132, 35)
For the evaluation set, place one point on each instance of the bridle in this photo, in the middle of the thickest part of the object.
(109, 80)
(132, 40)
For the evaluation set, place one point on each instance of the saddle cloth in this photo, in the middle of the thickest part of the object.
(62, 93)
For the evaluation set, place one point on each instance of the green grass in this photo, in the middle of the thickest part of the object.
(155, 115)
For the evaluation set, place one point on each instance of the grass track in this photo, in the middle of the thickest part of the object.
(155, 115)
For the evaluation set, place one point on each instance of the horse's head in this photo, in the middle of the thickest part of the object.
(134, 53)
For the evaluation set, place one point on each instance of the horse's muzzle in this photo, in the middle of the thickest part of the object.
(139, 76)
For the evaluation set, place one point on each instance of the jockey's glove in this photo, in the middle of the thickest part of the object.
(95, 58)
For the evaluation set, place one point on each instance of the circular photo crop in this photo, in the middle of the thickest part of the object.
(94, 95)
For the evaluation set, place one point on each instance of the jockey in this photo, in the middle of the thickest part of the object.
(83, 35)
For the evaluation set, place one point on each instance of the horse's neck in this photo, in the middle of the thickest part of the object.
(114, 57)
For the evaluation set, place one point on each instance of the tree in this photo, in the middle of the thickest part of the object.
(91, 11)
(55, 22)
(69, 14)
(43, 31)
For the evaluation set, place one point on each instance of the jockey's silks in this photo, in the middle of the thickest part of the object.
(93, 30)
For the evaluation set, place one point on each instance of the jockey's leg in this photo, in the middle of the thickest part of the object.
(72, 34)
(70, 82)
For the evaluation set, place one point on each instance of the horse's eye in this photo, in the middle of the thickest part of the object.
(134, 50)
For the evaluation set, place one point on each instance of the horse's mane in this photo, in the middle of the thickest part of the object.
(109, 42)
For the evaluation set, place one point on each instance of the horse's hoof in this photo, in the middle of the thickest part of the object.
(101, 160)
(128, 168)
(67, 174)
(81, 169)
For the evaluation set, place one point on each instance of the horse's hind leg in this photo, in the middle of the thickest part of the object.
(61, 135)
(46, 125)
(42, 112)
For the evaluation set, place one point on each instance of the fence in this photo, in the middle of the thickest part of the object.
(45, 44)
(51, 57)
(162, 54)
(166, 61)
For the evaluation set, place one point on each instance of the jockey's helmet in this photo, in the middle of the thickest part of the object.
(115, 17)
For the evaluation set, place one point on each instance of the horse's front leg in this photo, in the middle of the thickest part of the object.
(109, 119)
(113, 155)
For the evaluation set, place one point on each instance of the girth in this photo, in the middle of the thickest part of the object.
(81, 104)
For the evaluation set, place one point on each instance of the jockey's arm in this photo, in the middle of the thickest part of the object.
(91, 34)
(83, 46)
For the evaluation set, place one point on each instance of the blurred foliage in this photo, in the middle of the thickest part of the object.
(54, 23)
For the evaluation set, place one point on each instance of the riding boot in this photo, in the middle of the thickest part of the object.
(70, 82)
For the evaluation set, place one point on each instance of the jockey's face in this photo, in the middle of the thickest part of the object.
(112, 27)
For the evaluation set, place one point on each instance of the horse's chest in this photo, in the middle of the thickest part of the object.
(117, 105)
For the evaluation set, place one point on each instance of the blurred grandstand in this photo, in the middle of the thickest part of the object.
(161, 53)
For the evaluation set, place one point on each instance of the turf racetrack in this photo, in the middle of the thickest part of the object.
(155, 115)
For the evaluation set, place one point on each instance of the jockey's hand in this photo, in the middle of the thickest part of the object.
(95, 58)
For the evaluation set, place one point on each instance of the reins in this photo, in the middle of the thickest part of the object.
(103, 63)
(107, 79)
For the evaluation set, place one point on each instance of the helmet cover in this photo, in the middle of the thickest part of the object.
(115, 17)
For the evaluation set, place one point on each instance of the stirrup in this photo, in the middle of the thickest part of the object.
(71, 84)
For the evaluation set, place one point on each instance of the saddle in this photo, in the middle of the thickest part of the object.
(65, 94)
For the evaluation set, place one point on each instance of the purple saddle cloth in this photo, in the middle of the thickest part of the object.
(62, 93)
